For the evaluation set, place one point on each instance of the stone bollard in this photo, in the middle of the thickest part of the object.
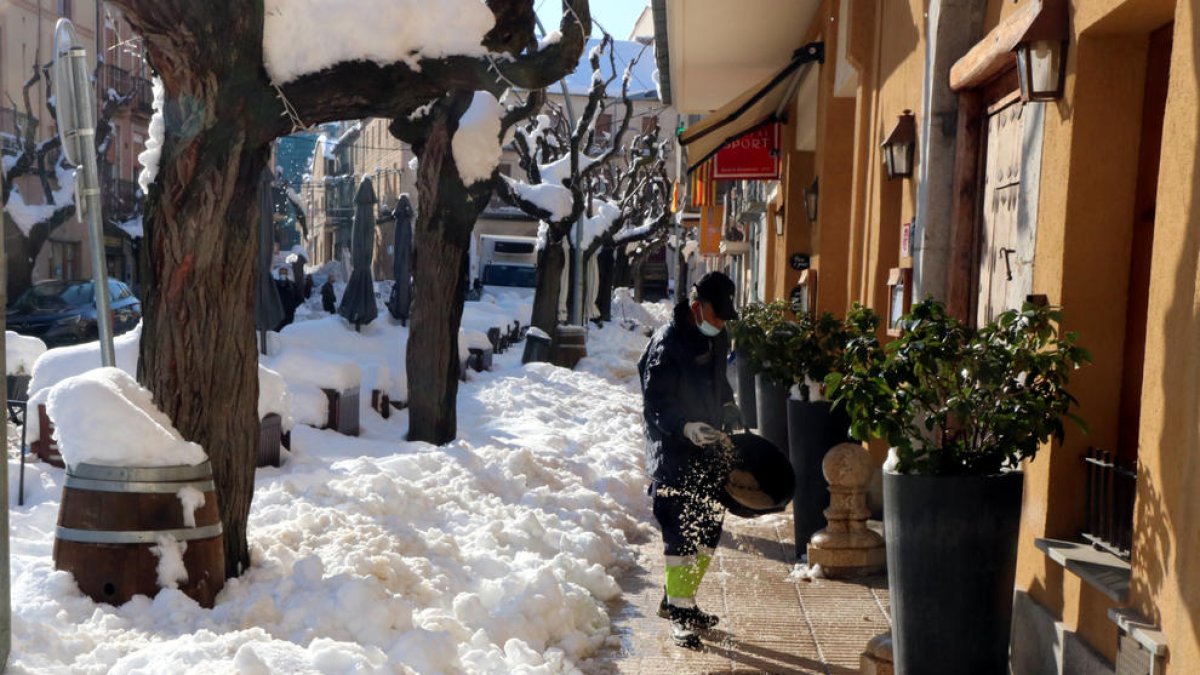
(877, 658)
(846, 548)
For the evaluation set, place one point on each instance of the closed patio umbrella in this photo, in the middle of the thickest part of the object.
(401, 298)
(268, 309)
(358, 301)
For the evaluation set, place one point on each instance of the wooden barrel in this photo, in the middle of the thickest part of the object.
(570, 345)
(111, 517)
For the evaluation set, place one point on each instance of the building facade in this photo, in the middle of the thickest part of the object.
(27, 40)
(1085, 199)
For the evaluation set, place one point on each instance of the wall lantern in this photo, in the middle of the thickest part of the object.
(899, 146)
(1042, 54)
(810, 201)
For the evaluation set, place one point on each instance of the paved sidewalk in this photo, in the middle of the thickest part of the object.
(769, 623)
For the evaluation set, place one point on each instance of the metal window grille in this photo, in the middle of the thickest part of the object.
(1110, 491)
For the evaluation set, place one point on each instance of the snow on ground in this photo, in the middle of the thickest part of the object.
(493, 554)
(20, 352)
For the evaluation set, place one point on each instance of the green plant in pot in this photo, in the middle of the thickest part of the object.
(762, 334)
(961, 409)
(813, 350)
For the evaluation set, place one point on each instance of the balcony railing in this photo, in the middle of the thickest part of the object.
(1109, 496)
(120, 198)
(124, 82)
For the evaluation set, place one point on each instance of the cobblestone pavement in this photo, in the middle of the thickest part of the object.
(770, 623)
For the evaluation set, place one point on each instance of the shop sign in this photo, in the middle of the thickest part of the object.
(800, 261)
(753, 155)
(906, 235)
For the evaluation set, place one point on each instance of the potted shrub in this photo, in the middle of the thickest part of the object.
(765, 332)
(746, 335)
(814, 350)
(961, 409)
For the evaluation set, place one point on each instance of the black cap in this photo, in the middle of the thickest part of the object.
(717, 289)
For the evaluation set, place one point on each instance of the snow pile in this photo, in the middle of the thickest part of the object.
(60, 363)
(190, 499)
(553, 198)
(495, 553)
(605, 214)
(320, 369)
(802, 572)
(21, 352)
(104, 417)
(149, 157)
(273, 397)
(26, 216)
(651, 316)
(382, 31)
(476, 144)
(171, 569)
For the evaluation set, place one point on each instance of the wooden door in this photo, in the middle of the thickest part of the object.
(1005, 261)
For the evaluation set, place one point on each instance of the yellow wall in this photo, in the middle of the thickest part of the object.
(1085, 217)
(891, 82)
(1166, 556)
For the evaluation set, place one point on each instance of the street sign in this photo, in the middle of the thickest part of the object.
(753, 155)
(799, 261)
(76, 117)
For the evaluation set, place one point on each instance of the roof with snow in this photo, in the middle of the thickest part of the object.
(641, 84)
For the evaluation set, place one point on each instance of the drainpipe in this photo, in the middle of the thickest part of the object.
(954, 26)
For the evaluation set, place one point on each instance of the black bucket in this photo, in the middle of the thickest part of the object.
(813, 428)
(745, 391)
(772, 399)
(760, 480)
(952, 561)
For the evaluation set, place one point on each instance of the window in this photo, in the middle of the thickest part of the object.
(649, 123)
(64, 260)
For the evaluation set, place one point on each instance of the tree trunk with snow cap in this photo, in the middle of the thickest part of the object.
(222, 111)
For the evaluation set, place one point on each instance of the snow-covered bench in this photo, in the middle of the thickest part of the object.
(311, 375)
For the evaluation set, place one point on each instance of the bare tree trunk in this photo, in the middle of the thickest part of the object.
(442, 237)
(604, 260)
(551, 261)
(197, 349)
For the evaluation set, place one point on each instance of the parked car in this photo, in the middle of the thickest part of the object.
(64, 312)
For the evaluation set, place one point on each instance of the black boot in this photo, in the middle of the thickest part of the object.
(693, 617)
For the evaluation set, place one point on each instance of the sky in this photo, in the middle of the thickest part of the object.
(616, 16)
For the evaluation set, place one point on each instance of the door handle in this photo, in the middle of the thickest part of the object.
(1006, 252)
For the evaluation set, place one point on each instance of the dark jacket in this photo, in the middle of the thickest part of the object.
(328, 299)
(683, 380)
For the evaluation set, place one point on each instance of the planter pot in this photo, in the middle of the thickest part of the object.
(771, 399)
(745, 391)
(537, 348)
(813, 428)
(951, 557)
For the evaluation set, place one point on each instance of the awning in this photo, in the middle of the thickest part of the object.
(765, 102)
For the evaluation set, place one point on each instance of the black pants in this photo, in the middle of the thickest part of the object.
(689, 522)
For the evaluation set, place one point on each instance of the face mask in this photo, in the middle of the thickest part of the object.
(706, 328)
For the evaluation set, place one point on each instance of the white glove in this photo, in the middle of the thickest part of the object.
(701, 434)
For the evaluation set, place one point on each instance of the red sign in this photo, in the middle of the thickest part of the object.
(754, 154)
(906, 233)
